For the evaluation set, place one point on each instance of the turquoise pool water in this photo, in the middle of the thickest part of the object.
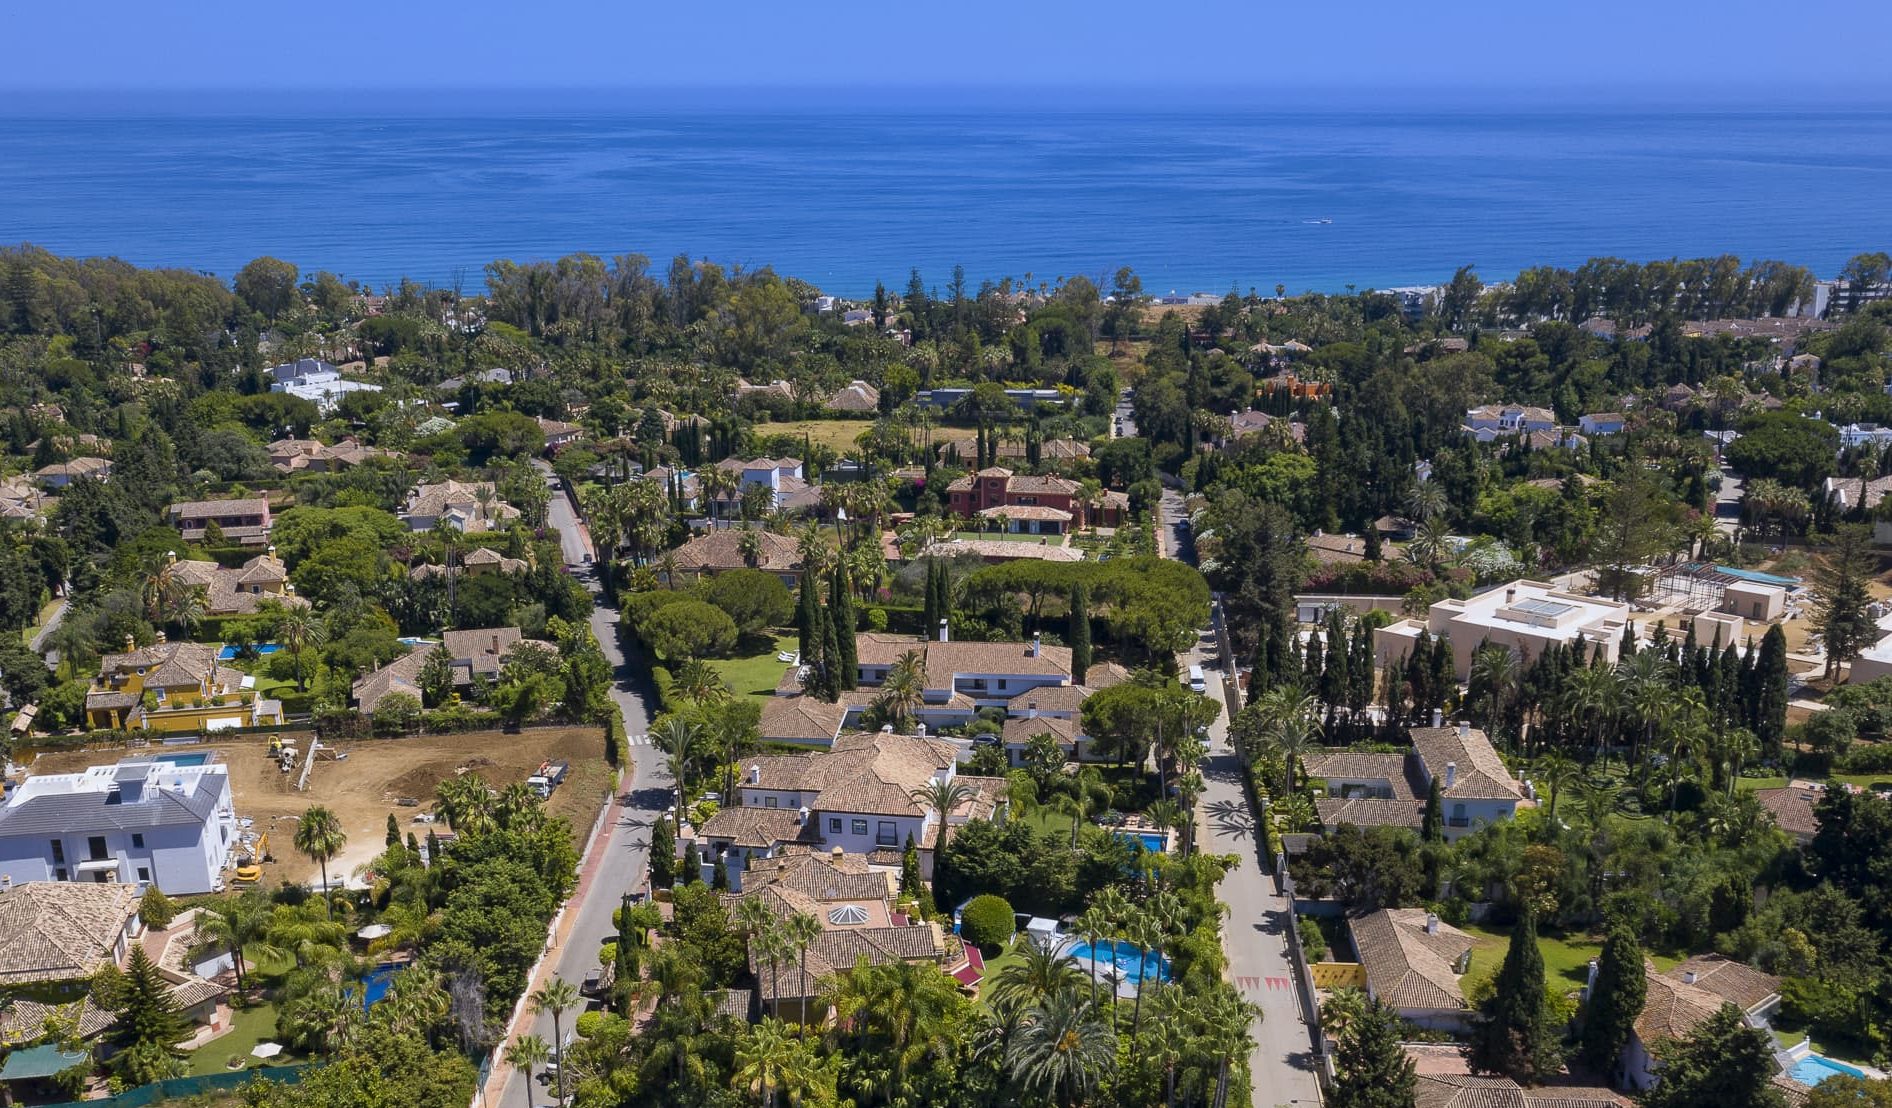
(196, 759)
(1152, 840)
(1815, 1068)
(1760, 578)
(229, 653)
(1131, 964)
(376, 982)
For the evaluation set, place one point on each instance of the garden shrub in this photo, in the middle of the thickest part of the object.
(987, 921)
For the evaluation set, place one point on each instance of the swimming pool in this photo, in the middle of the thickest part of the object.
(229, 653)
(1815, 1068)
(196, 759)
(1153, 841)
(376, 982)
(1130, 964)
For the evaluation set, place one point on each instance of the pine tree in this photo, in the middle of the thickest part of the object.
(1770, 677)
(394, 831)
(1312, 663)
(1432, 827)
(1372, 543)
(1513, 1035)
(692, 865)
(1079, 635)
(1615, 1000)
(719, 876)
(1371, 1068)
(149, 1024)
(910, 881)
(1723, 1062)
(663, 855)
(1841, 601)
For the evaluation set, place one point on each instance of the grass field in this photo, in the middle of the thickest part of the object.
(1566, 960)
(756, 674)
(249, 1026)
(837, 435)
(999, 961)
(1862, 780)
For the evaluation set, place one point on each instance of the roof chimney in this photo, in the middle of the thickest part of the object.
(1031, 710)
(943, 634)
(1438, 717)
(1688, 977)
(170, 557)
(1037, 645)
(131, 644)
(495, 644)
(160, 637)
(755, 774)
(801, 817)
(1451, 774)
(1464, 729)
(1432, 923)
(920, 729)
(837, 852)
(1511, 595)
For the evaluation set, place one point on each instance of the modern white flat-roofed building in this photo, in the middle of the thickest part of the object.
(1529, 617)
(132, 823)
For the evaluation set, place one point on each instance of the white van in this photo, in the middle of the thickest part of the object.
(1196, 681)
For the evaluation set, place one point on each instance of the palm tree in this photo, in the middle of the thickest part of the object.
(465, 802)
(1145, 932)
(1495, 674)
(749, 542)
(735, 737)
(761, 1058)
(1425, 501)
(297, 630)
(1289, 721)
(1590, 696)
(1225, 1020)
(1341, 1008)
(698, 682)
(1646, 692)
(1062, 1049)
(556, 996)
(1037, 973)
(801, 930)
(525, 1054)
(680, 739)
(73, 642)
(319, 835)
(903, 691)
(942, 797)
(236, 922)
(1558, 770)
(410, 925)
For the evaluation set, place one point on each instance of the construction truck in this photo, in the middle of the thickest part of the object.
(550, 776)
(249, 867)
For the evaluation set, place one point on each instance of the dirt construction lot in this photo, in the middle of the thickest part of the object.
(362, 788)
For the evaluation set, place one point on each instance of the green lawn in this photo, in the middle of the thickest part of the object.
(1007, 536)
(756, 674)
(837, 435)
(1051, 821)
(1862, 780)
(999, 961)
(249, 1027)
(1566, 959)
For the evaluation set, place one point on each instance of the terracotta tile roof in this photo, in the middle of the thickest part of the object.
(1050, 698)
(722, 549)
(1001, 550)
(1027, 512)
(855, 396)
(838, 950)
(1481, 773)
(1443, 1090)
(801, 719)
(760, 828)
(1020, 729)
(1103, 675)
(1671, 1009)
(1735, 982)
(733, 1003)
(1792, 809)
(1370, 812)
(208, 509)
(1351, 765)
(61, 930)
(871, 773)
(1406, 966)
(400, 675)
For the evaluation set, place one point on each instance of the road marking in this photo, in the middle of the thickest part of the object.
(1279, 983)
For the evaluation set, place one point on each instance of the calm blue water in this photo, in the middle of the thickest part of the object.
(196, 759)
(1815, 1068)
(1152, 840)
(229, 653)
(1132, 965)
(1193, 201)
(376, 982)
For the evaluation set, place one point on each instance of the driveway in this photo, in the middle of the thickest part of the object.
(1254, 935)
(619, 857)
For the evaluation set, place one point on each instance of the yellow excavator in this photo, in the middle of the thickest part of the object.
(249, 868)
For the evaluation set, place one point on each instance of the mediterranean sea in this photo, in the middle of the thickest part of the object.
(1194, 201)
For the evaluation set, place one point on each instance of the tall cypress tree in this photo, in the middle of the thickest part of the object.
(841, 611)
(1513, 1035)
(929, 608)
(1615, 1000)
(1770, 676)
(830, 667)
(1432, 827)
(1079, 634)
(808, 620)
(1372, 1069)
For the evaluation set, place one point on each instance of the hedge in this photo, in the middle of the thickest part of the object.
(987, 921)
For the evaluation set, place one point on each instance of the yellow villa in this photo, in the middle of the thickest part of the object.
(171, 686)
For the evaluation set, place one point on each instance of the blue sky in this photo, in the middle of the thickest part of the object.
(1713, 49)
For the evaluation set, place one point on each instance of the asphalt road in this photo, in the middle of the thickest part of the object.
(1255, 931)
(621, 857)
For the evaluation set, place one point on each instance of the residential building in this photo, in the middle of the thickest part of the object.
(402, 675)
(1603, 423)
(301, 367)
(1753, 600)
(470, 507)
(60, 474)
(1557, 438)
(964, 449)
(1390, 790)
(312, 456)
(1025, 399)
(476, 562)
(1526, 617)
(1681, 999)
(235, 592)
(20, 497)
(855, 398)
(134, 823)
(999, 488)
(559, 434)
(789, 490)
(1855, 435)
(245, 522)
(1857, 493)
(1493, 421)
(1791, 808)
(721, 550)
(987, 674)
(55, 932)
(481, 652)
(324, 386)
(854, 903)
(857, 797)
(1413, 964)
(174, 686)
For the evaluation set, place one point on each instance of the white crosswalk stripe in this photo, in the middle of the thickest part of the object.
(640, 740)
